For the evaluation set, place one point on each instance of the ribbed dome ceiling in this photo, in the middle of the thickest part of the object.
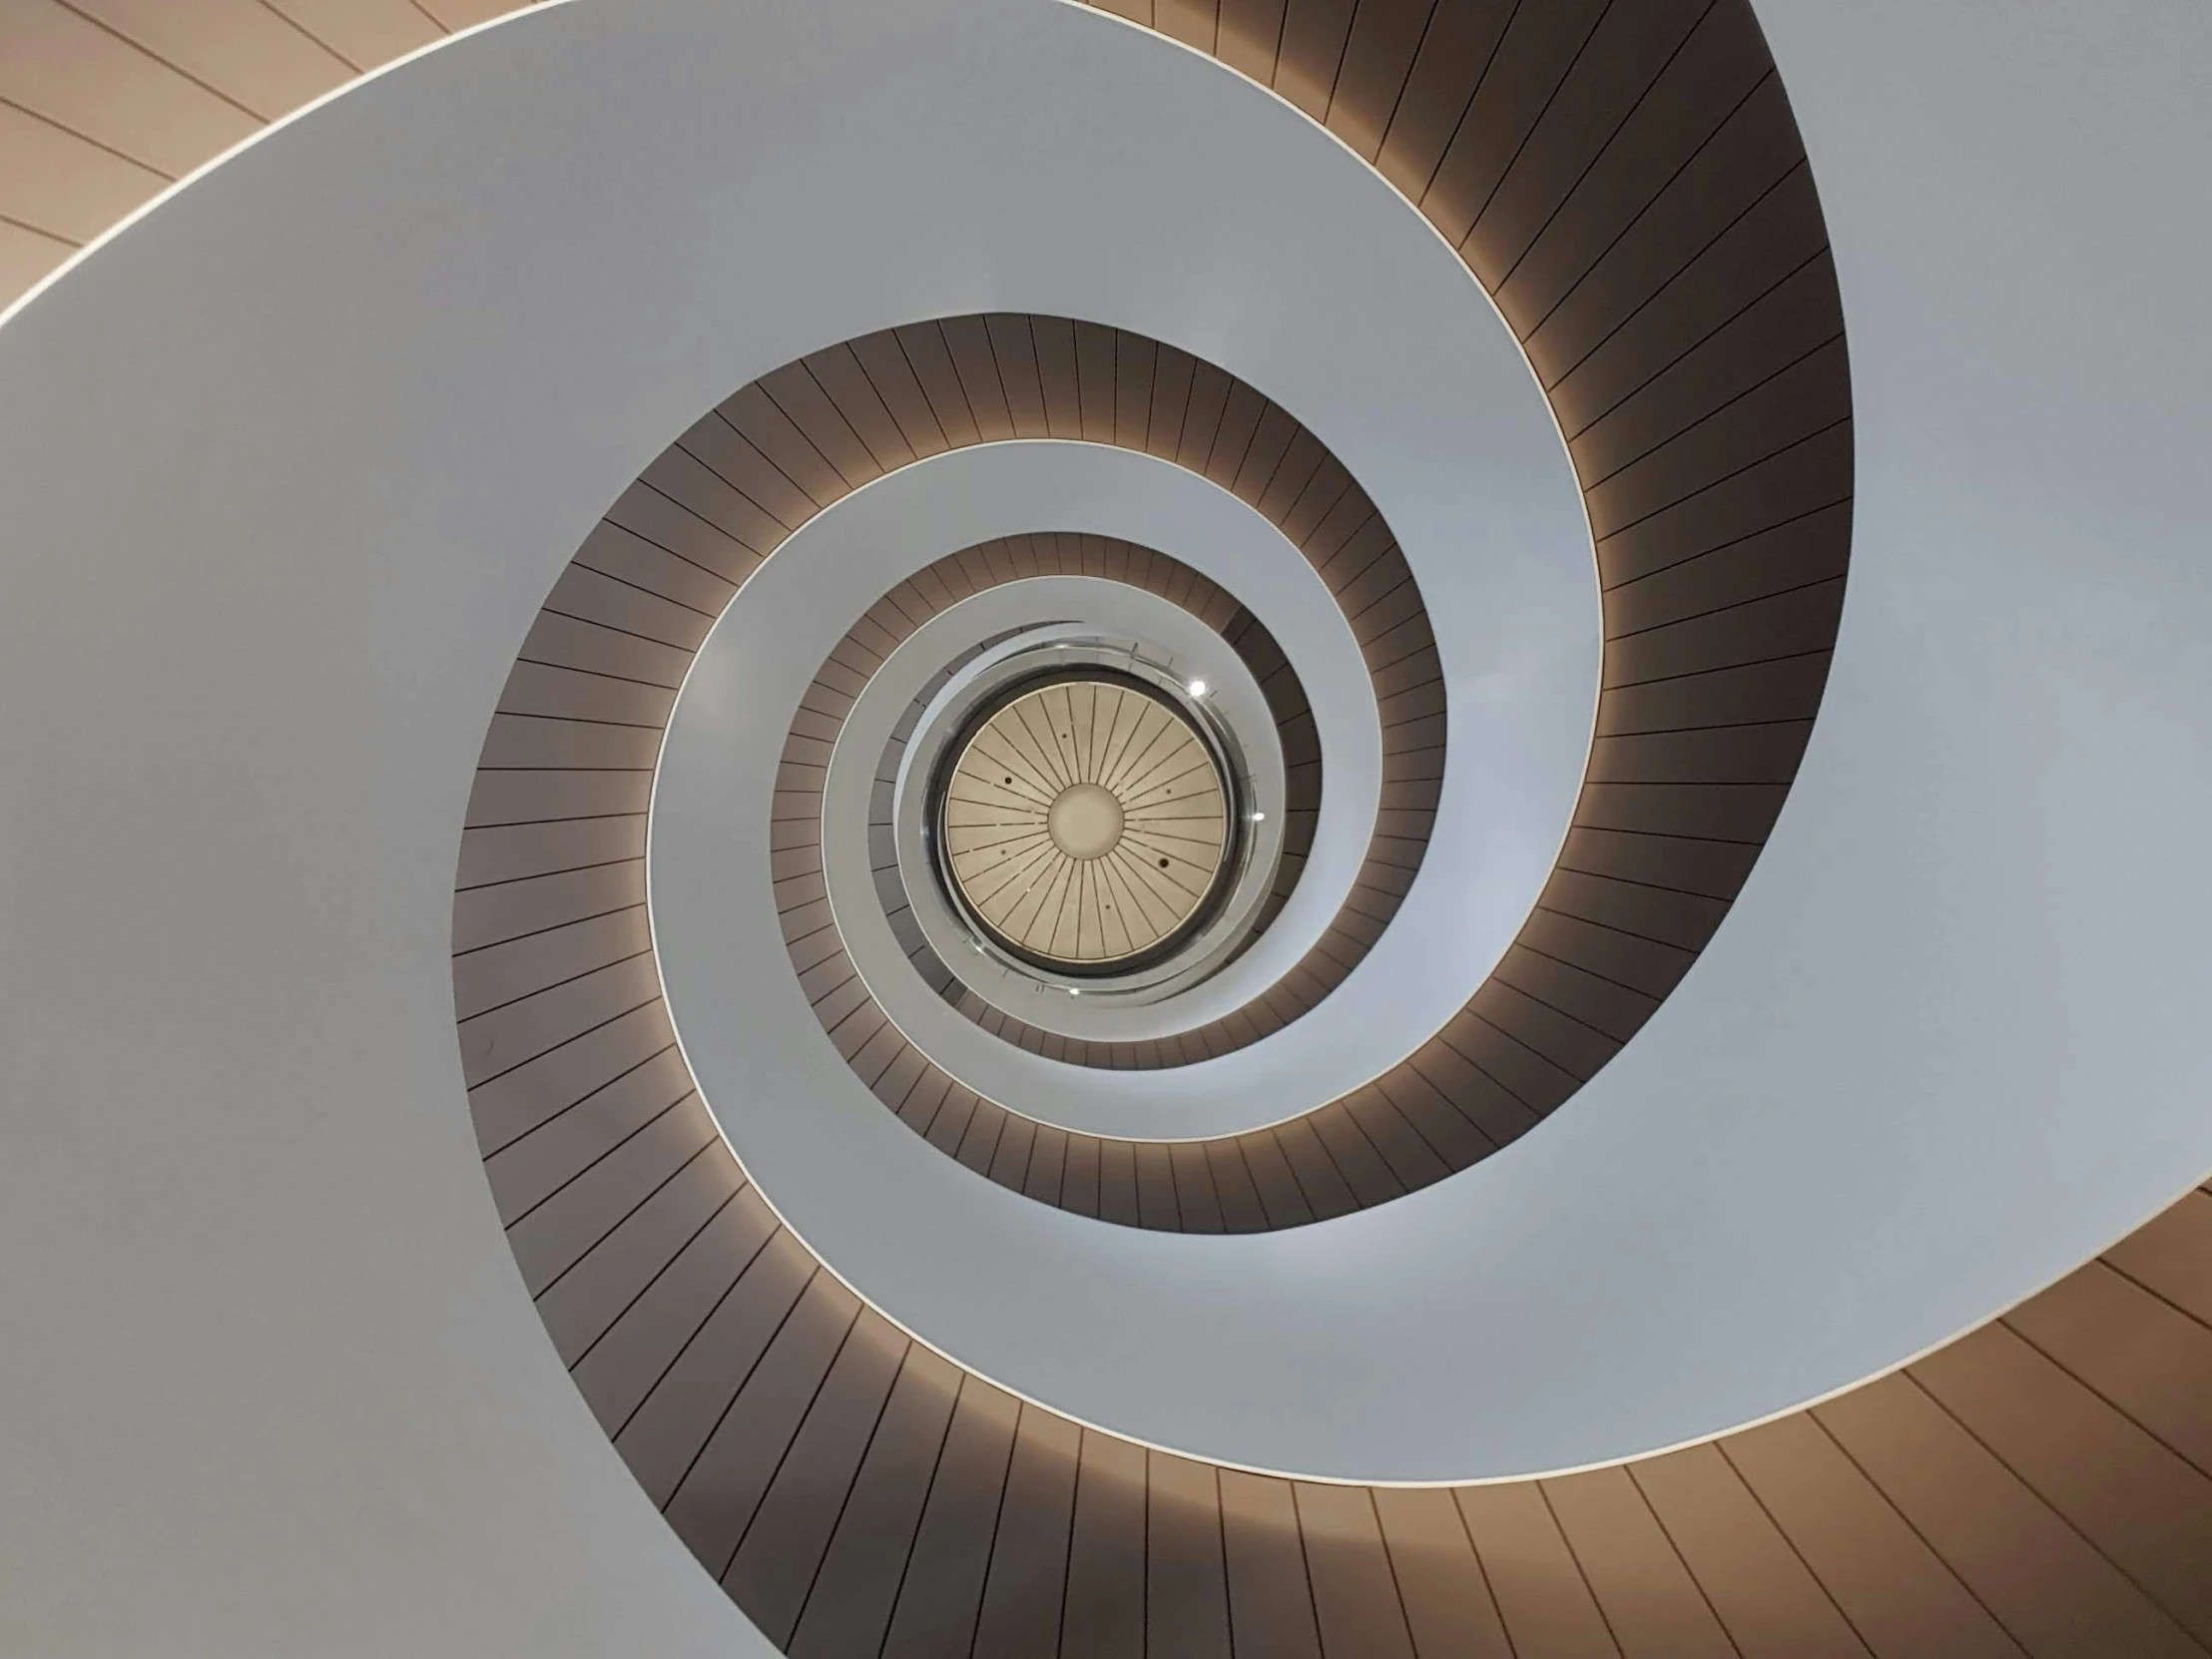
(1086, 822)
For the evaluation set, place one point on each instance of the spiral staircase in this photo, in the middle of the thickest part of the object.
(1268, 828)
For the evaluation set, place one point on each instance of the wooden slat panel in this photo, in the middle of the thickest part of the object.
(1053, 344)
(665, 1432)
(2143, 1506)
(540, 795)
(1795, 403)
(1377, 57)
(568, 642)
(691, 510)
(1744, 190)
(799, 394)
(67, 187)
(1193, 22)
(1412, 1159)
(1458, 1139)
(1549, 1034)
(621, 1368)
(1608, 1006)
(2171, 1257)
(491, 915)
(1651, 1603)
(849, 1609)
(1539, 49)
(1491, 1041)
(1541, 1594)
(365, 33)
(1009, 1165)
(1320, 1182)
(525, 1096)
(717, 1495)
(1723, 61)
(1449, 69)
(531, 1167)
(1312, 46)
(1198, 1202)
(2139, 1350)
(1788, 323)
(552, 1238)
(2051, 1588)
(1713, 868)
(1283, 1200)
(1446, 1600)
(770, 429)
(892, 378)
(27, 256)
(1612, 70)
(773, 1570)
(240, 49)
(759, 501)
(1809, 549)
(1471, 1091)
(495, 1043)
(63, 66)
(1271, 1603)
(1760, 1588)
(1354, 1596)
(942, 1594)
(1023, 1592)
(1250, 31)
(570, 694)
(503, 974)
(1103, 1616)
(614, 600)
(1155, 1186)
(592, 1294)
(1897, 1593)
(464, 14)
(848, 386)
(1787, 689)
(1186, 1577)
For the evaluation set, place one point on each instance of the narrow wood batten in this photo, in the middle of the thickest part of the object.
(106, 103)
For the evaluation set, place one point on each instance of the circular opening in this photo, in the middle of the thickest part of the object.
(1086, 822)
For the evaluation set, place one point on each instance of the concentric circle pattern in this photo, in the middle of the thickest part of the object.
(1694, 361)
(1672, 289)
(856, 1491)
(1027, 376)
(902, 1075)
(1029, 874)
(1086, 822)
